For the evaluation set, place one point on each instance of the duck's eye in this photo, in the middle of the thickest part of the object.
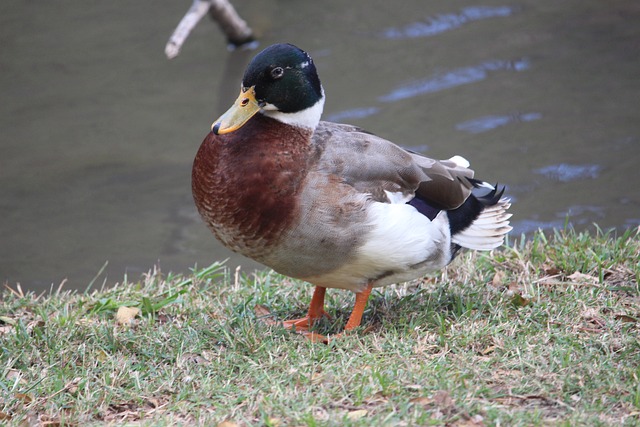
(277, 72)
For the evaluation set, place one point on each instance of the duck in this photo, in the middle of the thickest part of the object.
(329, 203)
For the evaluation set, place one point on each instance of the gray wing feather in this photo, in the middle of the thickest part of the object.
(374, 165)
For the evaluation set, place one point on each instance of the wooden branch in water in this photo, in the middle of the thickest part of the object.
(235, 28)
(238, 33)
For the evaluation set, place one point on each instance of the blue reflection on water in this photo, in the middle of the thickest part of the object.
(574, 215)
(486, 123)
(445, 22)
(564, 172)
(527, 226)
(354, 113)
(457, 77)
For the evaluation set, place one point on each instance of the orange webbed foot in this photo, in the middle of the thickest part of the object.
(301, 326)
(306, 322)
(316, 311)
(314, 336)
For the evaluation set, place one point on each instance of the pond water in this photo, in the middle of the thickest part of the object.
(99, 129)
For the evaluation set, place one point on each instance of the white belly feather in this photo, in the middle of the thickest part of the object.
(401, 245)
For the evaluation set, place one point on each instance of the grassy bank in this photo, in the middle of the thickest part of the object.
(543, 332)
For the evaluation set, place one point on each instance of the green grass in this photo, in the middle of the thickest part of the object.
(543, 332)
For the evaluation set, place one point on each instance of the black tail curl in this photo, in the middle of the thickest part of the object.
(463, 216)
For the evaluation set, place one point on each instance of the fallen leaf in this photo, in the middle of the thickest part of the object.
(592, 316)
(357, 414)
(101, 355)
(376, 399)
(474, 421)
(442, 398)
(422, 400)
(583, 279)
(8, 320)
(515, 288)
(264, 315)
(593, 330)
(228, 424)
(125, 315)
(625, 318)
(517, 295)
(4, 416)
(518, 300)
(54, 423)
(489, 349)
(550, 270)
(369, 329)
(153, 402)
(14, 375)
(209, 355)
(25, 398)
(73, 388)
(498, 280)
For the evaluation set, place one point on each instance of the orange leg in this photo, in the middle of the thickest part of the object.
(316, 311)
(358, 308)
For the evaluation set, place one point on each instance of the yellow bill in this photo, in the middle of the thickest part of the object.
(242, 110)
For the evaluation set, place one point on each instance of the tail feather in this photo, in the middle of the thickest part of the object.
(488, 229)
(489, 222)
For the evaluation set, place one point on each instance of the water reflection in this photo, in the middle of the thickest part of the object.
(453, 78)
(447, 80)
(576, 216)
(564, 172)
(487, 123)
(352, 114)
(444, 22)
(527, 226)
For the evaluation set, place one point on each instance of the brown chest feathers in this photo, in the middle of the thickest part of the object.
(245, 186)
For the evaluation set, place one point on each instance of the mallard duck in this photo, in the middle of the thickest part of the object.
(330, 203)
